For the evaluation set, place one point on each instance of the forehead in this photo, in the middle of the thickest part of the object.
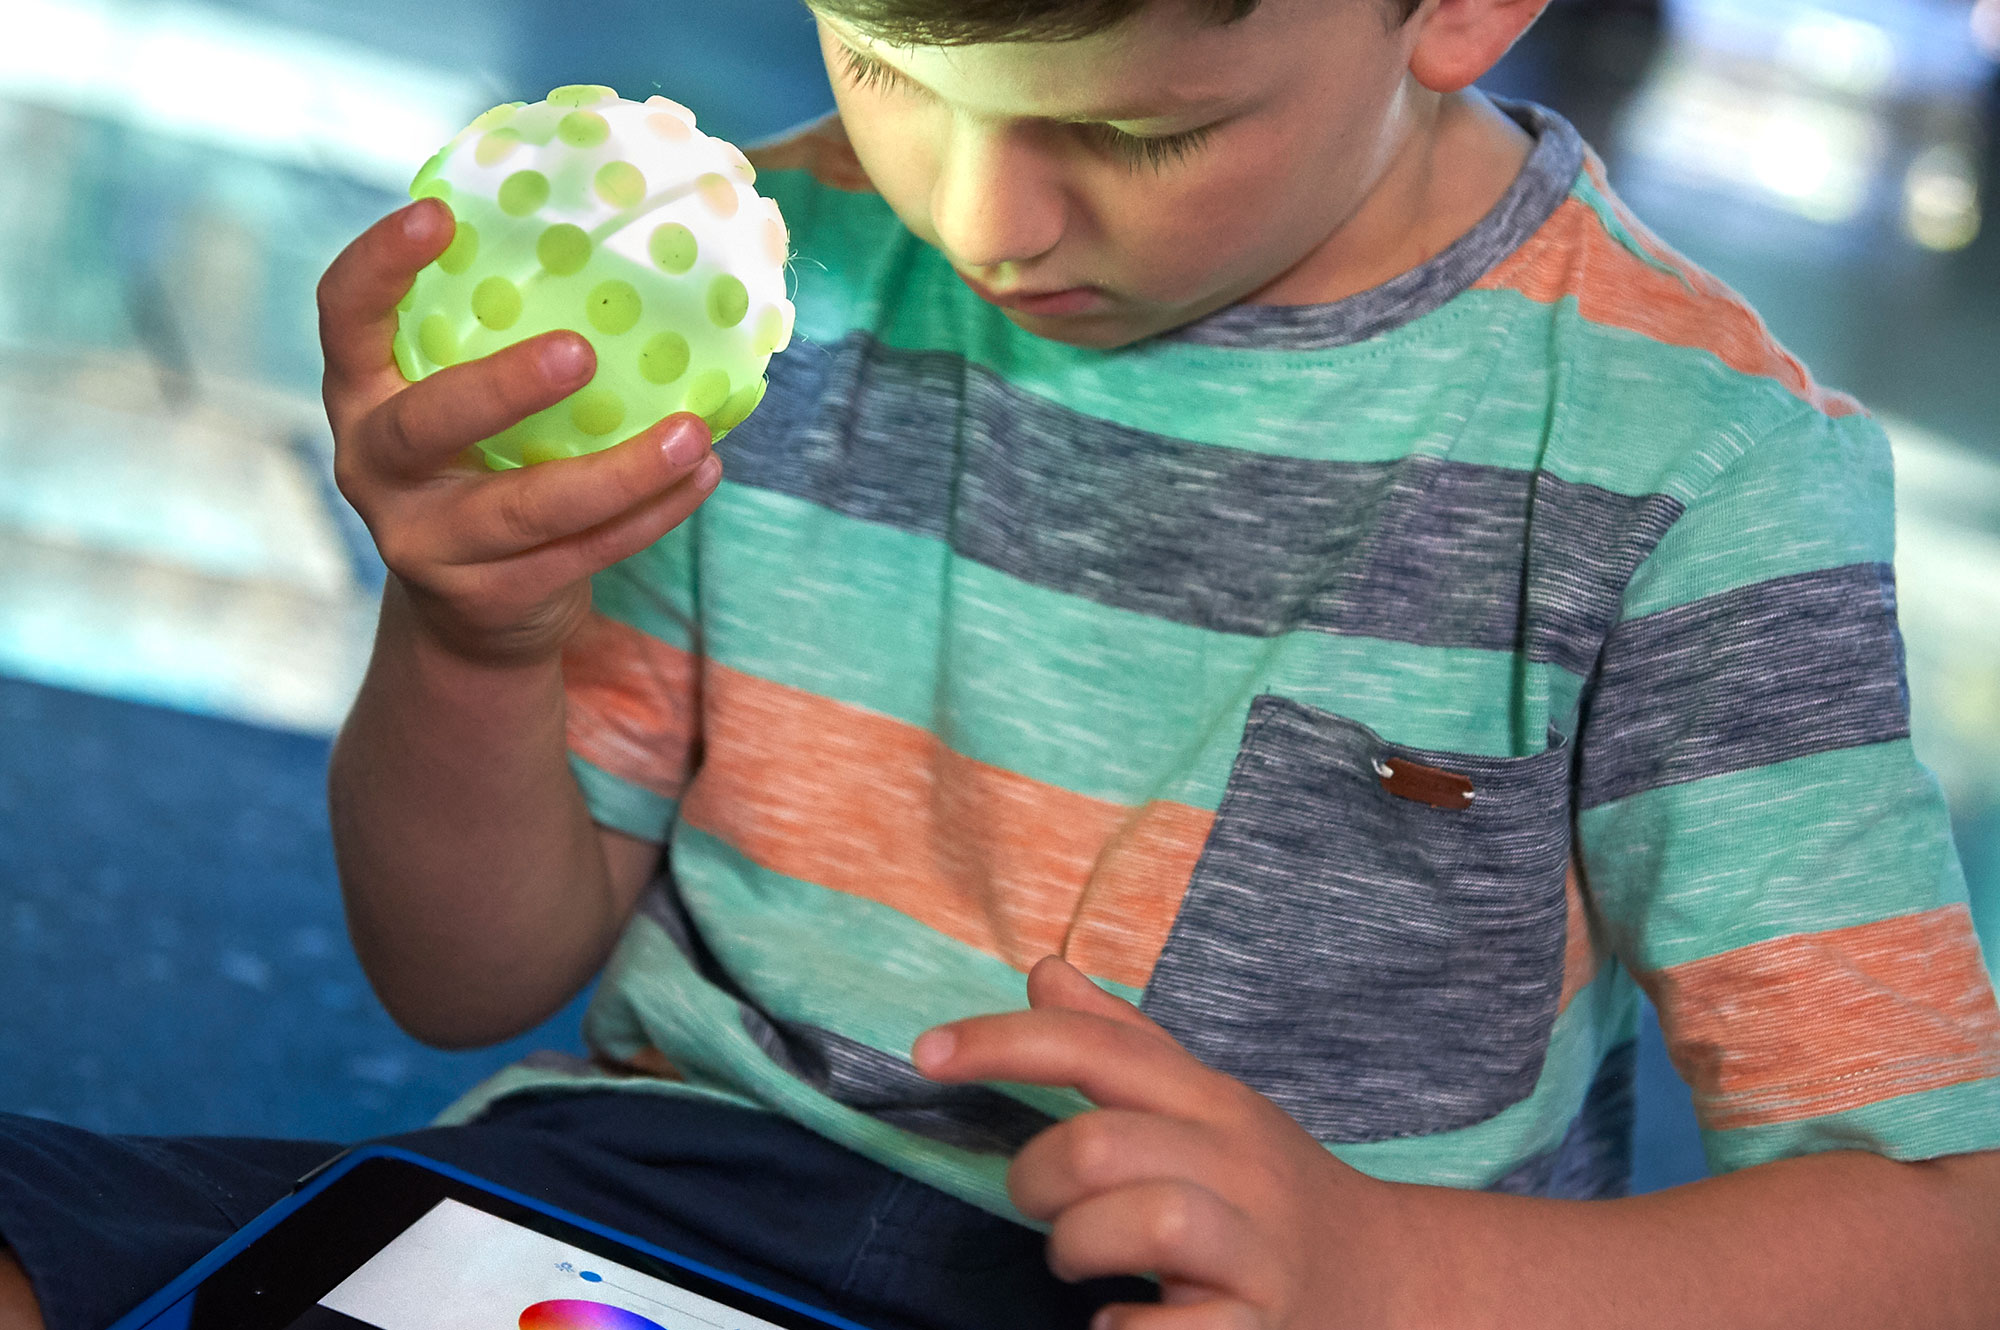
(1163, 61)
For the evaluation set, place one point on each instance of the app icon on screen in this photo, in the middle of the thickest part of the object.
(576, 1314)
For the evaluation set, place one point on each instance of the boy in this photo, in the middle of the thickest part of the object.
(1267, 533)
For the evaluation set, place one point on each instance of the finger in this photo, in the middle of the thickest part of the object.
(1175, 1230)
(1113, 1064)
(507, 514)
(1102, 1151)
(1054, 982)
(565, 562)
(360, 291)
(1208, 1314)
(422, 428)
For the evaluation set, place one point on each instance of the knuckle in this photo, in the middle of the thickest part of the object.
(519, 513)
(1172, 1218)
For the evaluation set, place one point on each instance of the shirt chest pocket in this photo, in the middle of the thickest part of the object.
(1375, 953)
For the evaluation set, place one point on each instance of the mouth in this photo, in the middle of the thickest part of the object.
(1067, 300)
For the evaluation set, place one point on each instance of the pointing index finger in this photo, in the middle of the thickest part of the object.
(1112, 1063)
(360, 291)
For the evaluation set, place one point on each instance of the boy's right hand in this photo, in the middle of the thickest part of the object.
(496, 565)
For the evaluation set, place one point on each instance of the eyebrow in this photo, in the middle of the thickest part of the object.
(1097, 116)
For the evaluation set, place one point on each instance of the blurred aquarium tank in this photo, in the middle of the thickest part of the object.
(187, 604)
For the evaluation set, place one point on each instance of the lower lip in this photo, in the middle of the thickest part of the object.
(1075, 300)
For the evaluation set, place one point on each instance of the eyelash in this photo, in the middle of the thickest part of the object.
(1133, 149)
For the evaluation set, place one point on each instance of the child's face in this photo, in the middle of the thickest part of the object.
(1168, 167)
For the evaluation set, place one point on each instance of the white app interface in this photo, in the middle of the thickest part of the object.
(459, 1268)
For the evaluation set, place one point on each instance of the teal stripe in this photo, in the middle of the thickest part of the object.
(1472, 382)
(1828, 841)
(621, 805)
(794, 944)
(653, 590)
(1586, 192)
(1063, 690)
(1960, 1119)
(1818, 495)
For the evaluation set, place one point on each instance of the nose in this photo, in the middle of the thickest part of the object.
(995, 199)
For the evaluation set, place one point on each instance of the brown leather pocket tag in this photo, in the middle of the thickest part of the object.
(1427, 785)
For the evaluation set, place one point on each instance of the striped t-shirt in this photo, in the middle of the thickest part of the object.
(1379, 693)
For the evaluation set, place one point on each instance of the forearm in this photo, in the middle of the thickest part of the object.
(475, 887)
(1826, 1241)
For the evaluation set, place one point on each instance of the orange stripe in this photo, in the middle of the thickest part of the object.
(1573, 255)
(1804, 1026)
(1580, 959)
(633, 703)
(876, 808)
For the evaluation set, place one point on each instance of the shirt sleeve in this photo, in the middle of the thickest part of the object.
(1763, 849)
(631, 681)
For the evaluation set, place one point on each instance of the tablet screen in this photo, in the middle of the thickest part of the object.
(459, 1268)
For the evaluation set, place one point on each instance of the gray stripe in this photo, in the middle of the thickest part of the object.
(1594, 1161)
(1417, 550)
(886, 1087)
(1780, 670)
(1378, 967)
(1537, 192)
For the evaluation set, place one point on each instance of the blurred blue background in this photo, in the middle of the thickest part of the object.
(185, 605)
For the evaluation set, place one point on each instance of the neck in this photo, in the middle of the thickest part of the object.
(1455, 161)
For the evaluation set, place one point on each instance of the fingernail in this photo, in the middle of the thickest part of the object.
(419, 219)
(1101, 1321)
(685, 446)
(933, 1048)
(564, 359)
(710, 474)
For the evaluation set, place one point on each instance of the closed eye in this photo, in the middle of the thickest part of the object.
(1157, 151)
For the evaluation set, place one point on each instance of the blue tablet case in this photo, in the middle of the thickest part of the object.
(173, 1306)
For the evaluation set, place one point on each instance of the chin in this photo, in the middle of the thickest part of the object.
(1092, 332)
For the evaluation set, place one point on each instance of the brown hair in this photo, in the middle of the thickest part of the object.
(963, 22)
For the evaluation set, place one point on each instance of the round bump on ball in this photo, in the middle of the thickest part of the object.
(596, 411)
(496, 117)
(777, 245)
(409, 300)
(583, 129)
(406, 356)
(669, 127)
(671, 106)
(497, 303)
(581, 94)
(438, 340)
(674, 248)
(428, 172)
(707, 394)
(439, 189)
(523, 193)
(497, 147)
(770, 331)
(614, 307)
(719, 193)
(739, 165)
(563, 249)
(728, 301)
(462, 252)
(538, 450)
(621, 184)
(738, 408)
(664, 359)
(537, 124)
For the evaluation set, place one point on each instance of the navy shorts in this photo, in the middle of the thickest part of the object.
(102, 1222)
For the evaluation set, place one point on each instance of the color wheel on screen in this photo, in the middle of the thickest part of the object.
(576, 1314)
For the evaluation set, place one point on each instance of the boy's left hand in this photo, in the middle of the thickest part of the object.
(1181, 1172)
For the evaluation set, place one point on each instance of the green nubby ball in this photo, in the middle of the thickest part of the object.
(619, 221)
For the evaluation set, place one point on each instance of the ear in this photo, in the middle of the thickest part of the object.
(1458, 41)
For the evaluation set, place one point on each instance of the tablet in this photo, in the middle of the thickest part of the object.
(383, 1239)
